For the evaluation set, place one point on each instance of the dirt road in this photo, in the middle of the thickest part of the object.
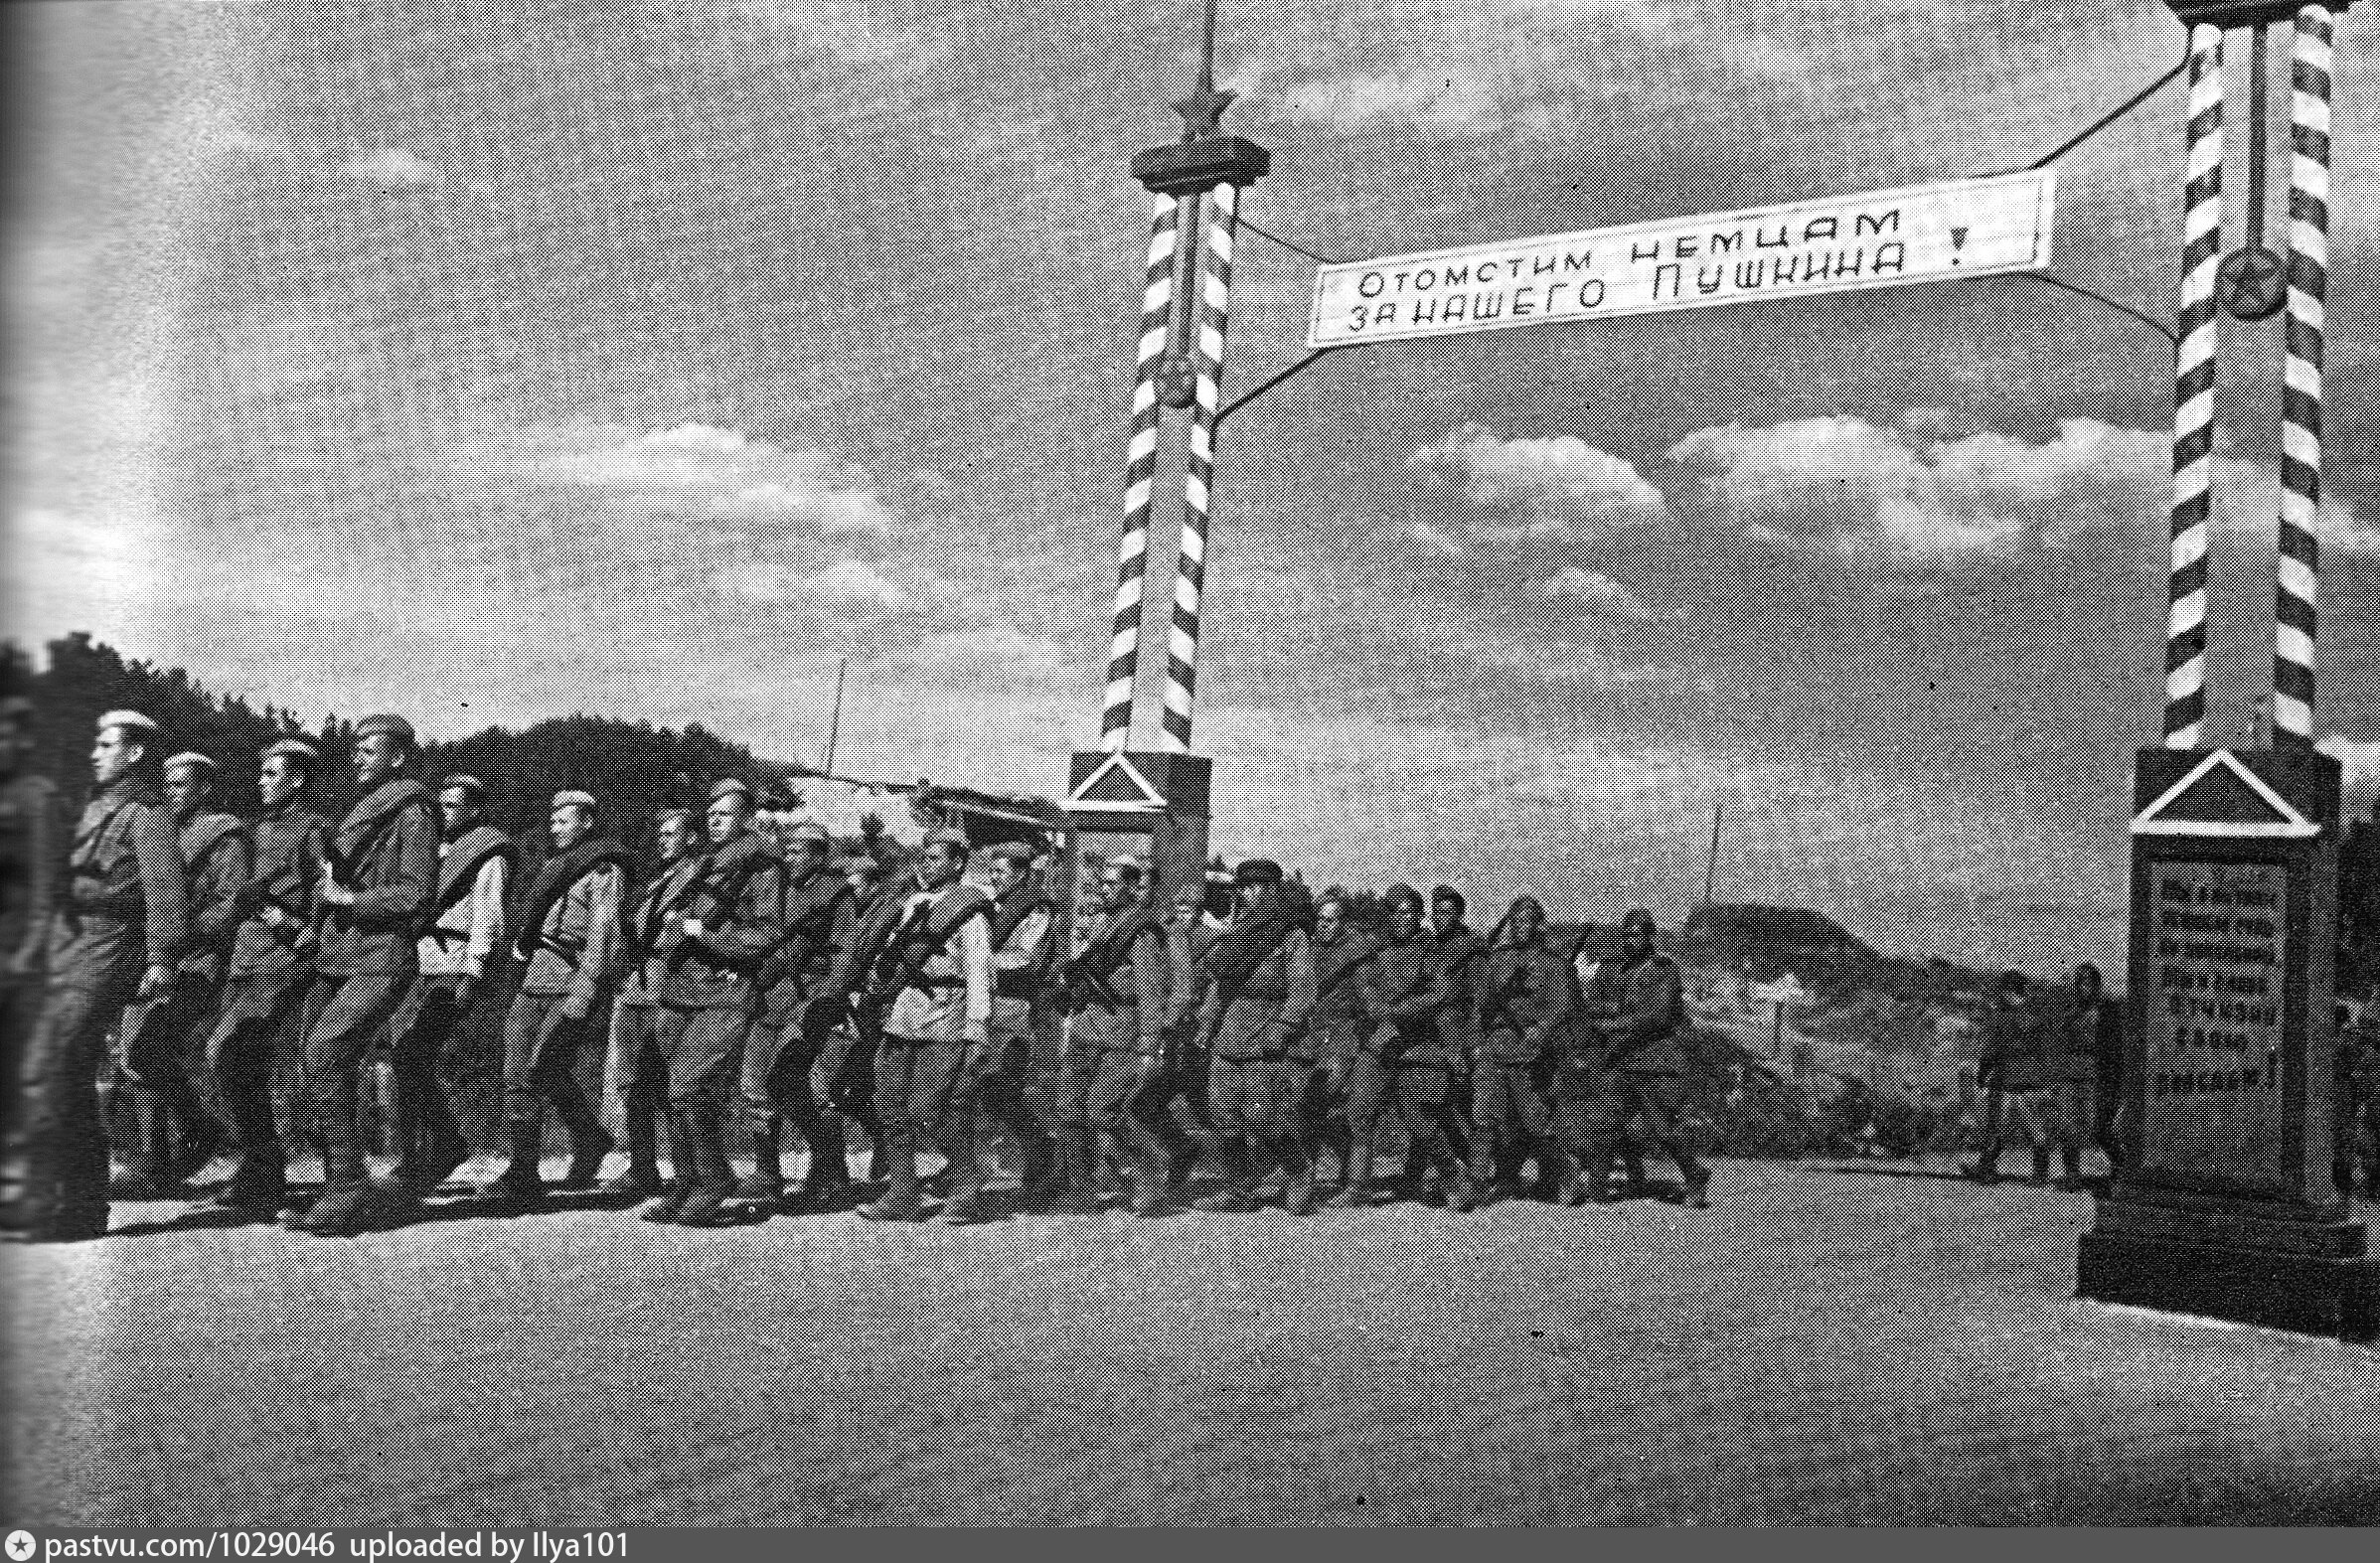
(1821, 1346)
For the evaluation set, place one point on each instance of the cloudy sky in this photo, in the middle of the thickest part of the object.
(492, 363)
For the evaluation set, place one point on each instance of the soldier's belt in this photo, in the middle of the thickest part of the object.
(930, 983)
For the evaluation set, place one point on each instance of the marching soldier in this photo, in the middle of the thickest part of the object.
(855, 1019)
(570, 929)
(1524, 1008)
(465, 932)
(160, 1035)
(1183, 1078)
(272, 969)
(1340, 950)
(32, 833)
(114, 940)
(380, 872)
(787, 1037)
(1403, 1066)
(1022, 927)
(636, 1070)
(940, 987)
(726, 923)
(1634, 1009)
(1116, 990)
(1260, 996)
(1463, 957)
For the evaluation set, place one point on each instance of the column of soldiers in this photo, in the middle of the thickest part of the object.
(746, 984)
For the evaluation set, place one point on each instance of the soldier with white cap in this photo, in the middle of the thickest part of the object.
(159, 1035)
(271, 967)
(380, 875)
(115, 938)
(569, 940)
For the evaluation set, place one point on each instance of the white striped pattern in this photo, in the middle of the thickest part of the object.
(2295, 594)
(1140, 476)
(2194, 397)
(1189, 578)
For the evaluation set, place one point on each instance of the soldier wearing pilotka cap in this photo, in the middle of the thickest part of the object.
(570, 923)
(160, 1039)
(380, 873)
(115, 938)
(272, 969)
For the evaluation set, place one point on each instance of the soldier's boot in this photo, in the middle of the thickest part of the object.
(520, 1183)
(1984, 1169)
(664, 1206)
(2039, 1178)
(2071, 1164)
(1043, 1172)
(1298, 1194)
(902, 1200)
(192, 1135)
(1631, 1162)
(1152, 1190)
(259, 1183)
(1078, 1192)
(143, 1176)
(706, 1201)
(1355, 1189)
(642, 1180)
(349, 1203)
(765, 1183)
(827, 1182)
(1482, 1180)
(1238, 1194)
(591, 1142)
(1696, 1193)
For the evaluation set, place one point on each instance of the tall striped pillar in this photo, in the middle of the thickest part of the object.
(2194, 396)
(1189, 578)
(1140, 476)
(2296, 566)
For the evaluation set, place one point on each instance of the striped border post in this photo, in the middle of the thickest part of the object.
(1140, 475)
(2298, 563)
(2194, 396)
(1189, 578)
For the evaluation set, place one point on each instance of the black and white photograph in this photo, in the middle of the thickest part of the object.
(1168, 763)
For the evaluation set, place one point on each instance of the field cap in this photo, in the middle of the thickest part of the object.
(1257, 871)
(297, 749)
(730, 784)
(194, 759)
(394, 726)
(572, 795)
(130, 721)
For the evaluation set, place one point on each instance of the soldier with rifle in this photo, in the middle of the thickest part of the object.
(568, 942)
(1629, 1065)
(935, 974)
(380, 873)
(1340, 950)
(1404, 1065)
(1022, 925)
(1181, 1077)
(114, 941)
(635, 1069)
(1115, 992)
(1259, 975)
(854, 1017)
(164, 1036)
(272, 969)
(464, 937)
(791, 1030)
(1462, 959)
(726, 919)
(1523, 1010)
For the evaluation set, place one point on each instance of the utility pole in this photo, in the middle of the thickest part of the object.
(834, 721)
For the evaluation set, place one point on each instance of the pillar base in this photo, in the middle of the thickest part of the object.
(2312, 1277)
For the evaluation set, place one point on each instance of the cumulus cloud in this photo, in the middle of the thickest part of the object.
(1593, 589)
(1538, 489)
(994, 655)
(392, 168)
(846, 584)
(1920, 494)
(701, 469)
(2360, 760)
